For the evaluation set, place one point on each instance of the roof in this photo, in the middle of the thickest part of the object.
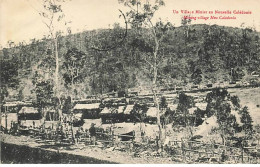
(152, 112)
(128, 109)
(10, 104)
(120, 109)
(28, 110)
(105, 111)
(86, 106)
(113, 110)
(16, 103)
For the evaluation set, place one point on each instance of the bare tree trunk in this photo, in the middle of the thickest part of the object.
(56, 80)
(57, 67)
(155, 72)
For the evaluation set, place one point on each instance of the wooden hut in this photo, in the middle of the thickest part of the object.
(29, 117)
(112, 114)
(89, 113)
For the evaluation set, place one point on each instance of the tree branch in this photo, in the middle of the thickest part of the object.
(148, 62)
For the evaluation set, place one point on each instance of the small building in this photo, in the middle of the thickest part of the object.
(14, 106)
(7, 119)
(88, 113)
(29, 117)
(10, 115)
(112, 114)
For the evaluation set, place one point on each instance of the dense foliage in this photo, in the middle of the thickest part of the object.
(197, 54)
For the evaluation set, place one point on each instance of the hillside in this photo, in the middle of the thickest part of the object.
(191, 54)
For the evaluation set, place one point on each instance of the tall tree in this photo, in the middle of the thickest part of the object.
(141, 17)
(52, 15)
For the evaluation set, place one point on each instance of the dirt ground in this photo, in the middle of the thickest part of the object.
(248, 97)
(114, 156)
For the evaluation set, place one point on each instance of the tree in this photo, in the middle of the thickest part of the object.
(67, 105)
(74, 68)
(182, 115)
(163, 103)
(8, 76)
(185, 22)
(219, 105)
(51, 15)
(247, 122)
(139, 112)
(197, 76)
(235, 101)
(237, 73)
(44, 92)
(140, 17)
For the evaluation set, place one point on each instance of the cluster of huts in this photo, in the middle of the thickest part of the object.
(127, 115)
(99, 113)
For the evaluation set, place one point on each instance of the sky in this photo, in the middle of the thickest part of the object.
(20, 21)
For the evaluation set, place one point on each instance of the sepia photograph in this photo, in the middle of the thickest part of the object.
(129, 82)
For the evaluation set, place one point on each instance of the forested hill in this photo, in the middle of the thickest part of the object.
(197, 54)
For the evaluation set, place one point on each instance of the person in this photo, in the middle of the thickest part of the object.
(92, 133)
(77, 135)
(33, 125)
